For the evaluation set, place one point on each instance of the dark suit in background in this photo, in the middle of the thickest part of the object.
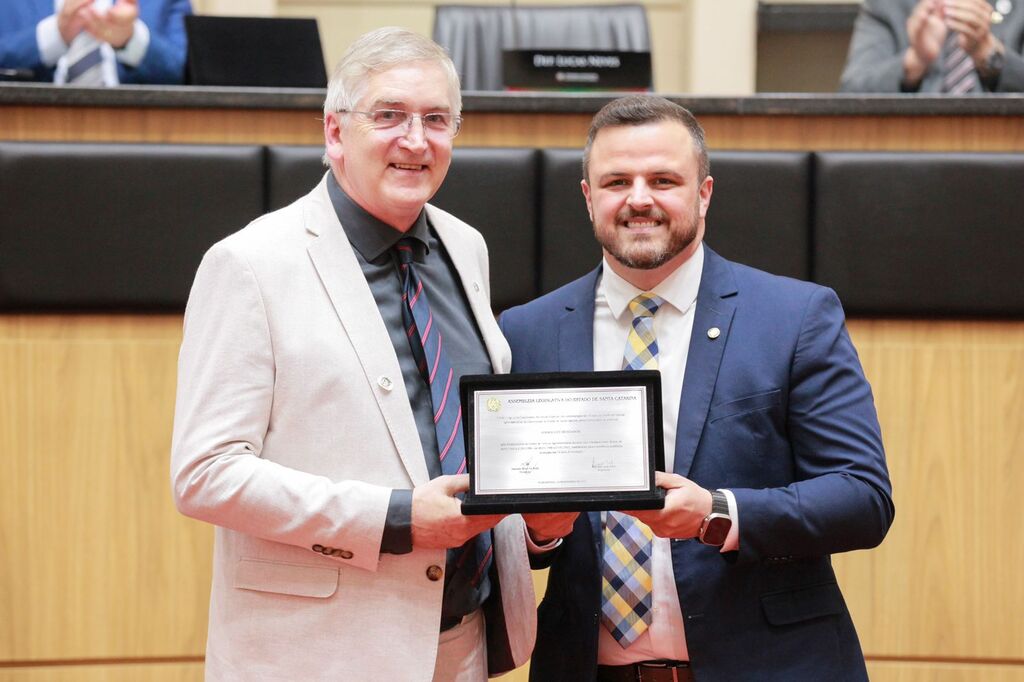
(875, 60)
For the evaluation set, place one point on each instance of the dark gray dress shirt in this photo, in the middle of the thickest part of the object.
(373, 242)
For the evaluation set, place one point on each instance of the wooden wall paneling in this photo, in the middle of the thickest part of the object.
(523, 129)
(14, 439)
(924, 671)
(98, 564)
(161, 125)
(191, 671)
(945, 583)
(771, 132)
(864, 133)
(488, 129)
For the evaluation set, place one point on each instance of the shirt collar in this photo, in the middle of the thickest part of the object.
(679, 289)
(369, 235)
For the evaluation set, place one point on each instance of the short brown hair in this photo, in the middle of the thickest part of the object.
(638, 110)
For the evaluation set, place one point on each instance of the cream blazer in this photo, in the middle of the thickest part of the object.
(292, 426)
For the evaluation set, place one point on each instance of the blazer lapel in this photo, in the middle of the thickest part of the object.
(475, 285)
(715, 308)
(576, 327)
(338, 269)
(575, 353)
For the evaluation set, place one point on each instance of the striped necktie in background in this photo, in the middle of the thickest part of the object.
(427, 344)
(85, 61)
(959, 77)
(626, 579)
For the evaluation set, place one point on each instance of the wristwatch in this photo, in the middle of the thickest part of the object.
(716, 525)
(993, 64)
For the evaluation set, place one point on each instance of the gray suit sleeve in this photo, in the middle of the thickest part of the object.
(875, 60)
(1012, 77)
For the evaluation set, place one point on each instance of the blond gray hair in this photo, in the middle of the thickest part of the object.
(378, 51)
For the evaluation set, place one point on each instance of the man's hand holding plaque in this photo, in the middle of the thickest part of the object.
(437, 519)
(686, 506)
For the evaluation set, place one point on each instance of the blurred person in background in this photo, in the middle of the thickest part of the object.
(94, 42)
(958, 47)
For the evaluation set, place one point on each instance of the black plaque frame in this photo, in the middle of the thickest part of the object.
(495, 503)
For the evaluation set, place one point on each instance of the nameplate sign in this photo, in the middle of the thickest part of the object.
(576, 70)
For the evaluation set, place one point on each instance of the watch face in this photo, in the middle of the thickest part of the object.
(716, 531)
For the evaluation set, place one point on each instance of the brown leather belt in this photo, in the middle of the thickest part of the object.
(646, 671)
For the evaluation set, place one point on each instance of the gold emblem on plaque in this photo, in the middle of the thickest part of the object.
(493, 404)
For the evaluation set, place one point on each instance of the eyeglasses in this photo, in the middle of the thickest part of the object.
(437, 122)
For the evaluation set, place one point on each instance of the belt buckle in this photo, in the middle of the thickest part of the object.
(656, 665)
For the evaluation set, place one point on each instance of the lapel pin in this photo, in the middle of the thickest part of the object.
(714, 333)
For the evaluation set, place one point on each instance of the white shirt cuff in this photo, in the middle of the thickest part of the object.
(535, 548)
(732, 540)
(135, 49)
(51, 46)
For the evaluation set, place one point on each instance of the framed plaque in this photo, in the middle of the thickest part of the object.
(569, 441)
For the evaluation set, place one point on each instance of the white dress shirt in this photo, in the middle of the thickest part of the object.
(673, 325)
(53, 49)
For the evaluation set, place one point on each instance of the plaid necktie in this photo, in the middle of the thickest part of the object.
(427, 344)
(959, 77)
(628, 544)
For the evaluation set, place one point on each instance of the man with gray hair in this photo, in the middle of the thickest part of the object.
(318, 424)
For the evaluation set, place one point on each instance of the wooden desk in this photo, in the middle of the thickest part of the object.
(254, 115)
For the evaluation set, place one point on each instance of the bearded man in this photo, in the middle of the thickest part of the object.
(773, 452)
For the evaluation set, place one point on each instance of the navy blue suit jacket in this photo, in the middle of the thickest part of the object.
(777, 409)
(164, 61)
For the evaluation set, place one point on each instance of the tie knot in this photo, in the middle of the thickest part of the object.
(645, 305)
(404, 249)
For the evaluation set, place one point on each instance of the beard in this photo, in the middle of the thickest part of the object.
(647, 252)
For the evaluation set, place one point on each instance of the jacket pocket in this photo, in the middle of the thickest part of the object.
(295, 579)
(805, 603)
(750, 403)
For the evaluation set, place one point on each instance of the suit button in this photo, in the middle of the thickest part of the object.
(342, 553)
(318, 548)
(434, 573)
(385, 383)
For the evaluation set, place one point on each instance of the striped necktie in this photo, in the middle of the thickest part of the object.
(626, 580)
(427, 344)
(959, 77)
(85, 61)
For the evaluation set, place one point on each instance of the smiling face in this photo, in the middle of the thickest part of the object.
(392, 173)
(645, 200)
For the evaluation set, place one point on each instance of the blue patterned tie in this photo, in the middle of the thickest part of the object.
(626, 579)
(427, 344)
